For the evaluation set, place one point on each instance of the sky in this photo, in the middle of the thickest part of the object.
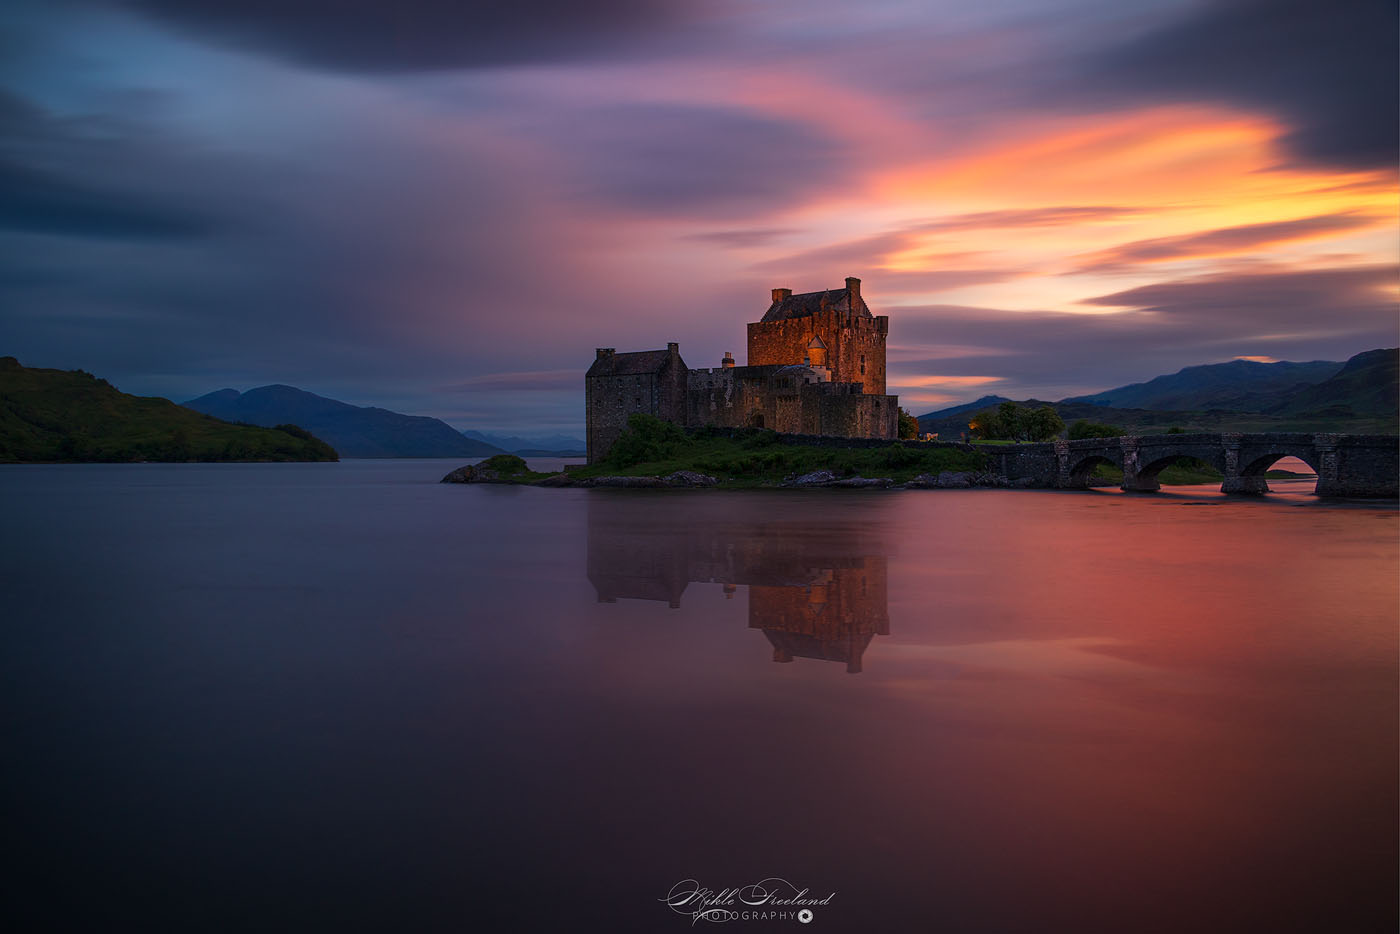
(443, 207)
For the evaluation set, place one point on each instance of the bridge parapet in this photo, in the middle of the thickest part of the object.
(1346, 465)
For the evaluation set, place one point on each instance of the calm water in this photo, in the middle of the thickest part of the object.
(344, 696)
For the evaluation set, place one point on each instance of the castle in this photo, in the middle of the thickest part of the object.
(816, 366)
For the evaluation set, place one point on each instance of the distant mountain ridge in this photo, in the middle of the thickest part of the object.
(539, 445)
(354, 431)
(1360, 396)
(1237, 386)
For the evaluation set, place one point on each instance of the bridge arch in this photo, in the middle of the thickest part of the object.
(1215, 458)
(1082, 470)
(1263, 463)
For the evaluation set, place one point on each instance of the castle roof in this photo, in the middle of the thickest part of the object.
(809, 303)
(635, 363)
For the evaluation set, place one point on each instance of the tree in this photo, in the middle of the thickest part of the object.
(1042, 424)
(1013, 422)
(908, 426)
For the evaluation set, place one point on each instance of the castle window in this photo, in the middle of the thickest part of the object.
(862, 364)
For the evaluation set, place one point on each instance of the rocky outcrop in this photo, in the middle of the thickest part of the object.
(472, 474)
(815, 478)
(956, 480)
(863, 483)
(689, 478)
(636, 483)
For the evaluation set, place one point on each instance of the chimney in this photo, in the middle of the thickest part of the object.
(605, 352)
(780, 294)
(673, 348)
(853, 285)
(728, 361)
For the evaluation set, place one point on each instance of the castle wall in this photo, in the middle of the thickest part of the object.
(855, 345)
(859, 415)
(612, 398)
(739, 397)
(728, 397)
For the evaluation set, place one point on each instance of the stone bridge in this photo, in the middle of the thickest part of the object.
(1346, 465)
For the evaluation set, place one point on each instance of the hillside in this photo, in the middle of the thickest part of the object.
(1237, 386)
(535, 446)
(69, 415)
(1359, 398)
(1367, 386)
(353, 430)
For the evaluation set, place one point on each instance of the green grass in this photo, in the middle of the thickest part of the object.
(49, 416)
(756, 458)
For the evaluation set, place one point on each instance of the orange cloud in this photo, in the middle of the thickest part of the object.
(1227, 241)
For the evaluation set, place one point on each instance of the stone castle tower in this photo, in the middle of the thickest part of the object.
(832, 329)
(816, 366)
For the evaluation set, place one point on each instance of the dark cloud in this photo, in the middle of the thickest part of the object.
(1315, 299)
(701, 160)
(1223, 240)
(37, 202)
(1327, 68)
(418, 35)
(71, 178)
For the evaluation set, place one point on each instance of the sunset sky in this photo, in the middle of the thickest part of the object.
(443, 207)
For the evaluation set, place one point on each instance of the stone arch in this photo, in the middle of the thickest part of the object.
(1083, 469)
(755, 420)
(816, 352)
(1215, 458)
(1261, 464)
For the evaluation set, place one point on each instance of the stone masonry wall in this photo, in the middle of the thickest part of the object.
(855, 345)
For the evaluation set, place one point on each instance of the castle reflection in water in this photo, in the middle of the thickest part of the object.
(815, 591)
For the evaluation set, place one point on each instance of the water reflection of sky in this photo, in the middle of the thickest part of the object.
(348, 694)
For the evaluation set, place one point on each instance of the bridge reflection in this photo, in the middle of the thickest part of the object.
(816, 591)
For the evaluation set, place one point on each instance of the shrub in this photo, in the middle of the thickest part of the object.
(646, 439)
(908, 426)
(760, 438)
(505, 464)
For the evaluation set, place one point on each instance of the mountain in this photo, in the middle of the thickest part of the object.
(1237, 386)
(540, 445)
(354, 431)
(1360, 398)
(986, 402)
(70, 415)
(1368, 385)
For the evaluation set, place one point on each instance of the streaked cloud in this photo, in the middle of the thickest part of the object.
(445, 210)
(1326, 70)
(419, 35)
(1227, 241)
